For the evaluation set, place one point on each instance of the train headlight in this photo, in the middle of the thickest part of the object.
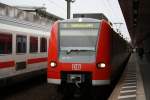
(53, 64)
(101, 65)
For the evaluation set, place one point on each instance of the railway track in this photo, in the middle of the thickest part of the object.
(36, 89)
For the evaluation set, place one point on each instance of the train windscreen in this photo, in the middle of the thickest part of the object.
(78, 41)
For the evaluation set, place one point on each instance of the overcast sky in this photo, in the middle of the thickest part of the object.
(110, 8)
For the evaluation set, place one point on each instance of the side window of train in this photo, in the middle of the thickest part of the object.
(5, 43)
(33, 44)
(21, 44)
(43, 44)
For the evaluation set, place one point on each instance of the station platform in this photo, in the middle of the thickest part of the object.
(133, 83)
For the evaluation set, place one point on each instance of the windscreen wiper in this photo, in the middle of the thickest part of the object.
(71, 50)
(77, 50)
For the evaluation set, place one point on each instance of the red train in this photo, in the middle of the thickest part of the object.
(84, 51)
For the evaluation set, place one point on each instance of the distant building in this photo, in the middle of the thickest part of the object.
(90, 15)
(41, 11)
(35, 15)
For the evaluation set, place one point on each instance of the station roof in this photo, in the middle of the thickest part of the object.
(137, 17)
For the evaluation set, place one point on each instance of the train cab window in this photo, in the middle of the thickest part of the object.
(77, 41)
(21, 44)
(43, 45)
(33, 44)
(5, 43)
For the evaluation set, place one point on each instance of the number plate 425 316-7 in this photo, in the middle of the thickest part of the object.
(76, 66)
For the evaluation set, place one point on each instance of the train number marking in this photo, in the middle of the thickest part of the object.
(76, 66)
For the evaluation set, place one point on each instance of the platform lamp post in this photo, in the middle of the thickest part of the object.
(68, 7)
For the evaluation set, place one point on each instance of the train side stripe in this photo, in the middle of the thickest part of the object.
(36, 60)
(7, 64)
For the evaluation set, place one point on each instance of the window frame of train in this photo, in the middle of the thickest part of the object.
(43, 44)
(33, 46)
(6, 43)
(23, 44)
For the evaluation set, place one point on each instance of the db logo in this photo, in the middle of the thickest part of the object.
(76, 66)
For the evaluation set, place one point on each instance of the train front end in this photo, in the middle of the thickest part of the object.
(79, 52)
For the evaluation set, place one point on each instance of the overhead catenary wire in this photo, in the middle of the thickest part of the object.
(61, 9)
(56, 4)
(108, 8)
(113, 13)
(123, 24)
(112, 8)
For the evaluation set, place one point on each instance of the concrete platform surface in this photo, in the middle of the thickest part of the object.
(130, 85)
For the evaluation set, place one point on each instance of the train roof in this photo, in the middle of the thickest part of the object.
(81, 20)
